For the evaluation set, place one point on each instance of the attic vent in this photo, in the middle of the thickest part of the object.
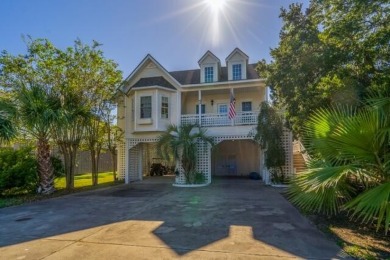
(151, 65)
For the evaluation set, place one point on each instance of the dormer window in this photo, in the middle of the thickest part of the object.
(237, 72)
(208, 74)
(236, 64)
(210, 67)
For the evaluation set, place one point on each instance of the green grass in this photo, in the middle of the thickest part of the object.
(84, 180)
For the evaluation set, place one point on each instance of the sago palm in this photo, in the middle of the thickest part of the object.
(352, 170)
(181, 143)
(38, 110)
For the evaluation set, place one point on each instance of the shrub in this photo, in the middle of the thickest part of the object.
(18, 169)
(199, 178)
(58, 166)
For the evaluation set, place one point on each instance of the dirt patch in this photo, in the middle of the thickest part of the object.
(359, 240)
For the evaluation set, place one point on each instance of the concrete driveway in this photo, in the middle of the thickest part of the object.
(230, 219)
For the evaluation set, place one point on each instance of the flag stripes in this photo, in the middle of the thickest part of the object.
(232, 106)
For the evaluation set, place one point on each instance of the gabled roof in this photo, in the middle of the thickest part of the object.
(153, 81)
(236, 50)
(148, 58)
(208, 53)
(189, 77)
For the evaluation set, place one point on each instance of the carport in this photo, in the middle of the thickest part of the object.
(235, 158)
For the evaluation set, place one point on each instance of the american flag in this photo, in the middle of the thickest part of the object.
(232, 106)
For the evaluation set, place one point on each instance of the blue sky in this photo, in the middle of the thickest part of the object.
(176, 32)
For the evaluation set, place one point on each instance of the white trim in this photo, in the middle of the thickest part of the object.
(190, 185)
(152, 87)
(235, 51)
(147, 58)
(227, 83)
(157, 106)
(208, 53)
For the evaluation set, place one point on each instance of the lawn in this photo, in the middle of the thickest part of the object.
(82, 182)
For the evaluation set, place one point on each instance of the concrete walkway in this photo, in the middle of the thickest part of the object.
(230, 219)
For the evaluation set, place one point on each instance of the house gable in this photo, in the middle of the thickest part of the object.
(210, 68)
(236, 64)
(147, 74)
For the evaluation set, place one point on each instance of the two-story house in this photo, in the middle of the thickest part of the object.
(151, 98)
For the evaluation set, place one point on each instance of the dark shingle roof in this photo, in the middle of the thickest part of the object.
(186, 77)
(153, 81)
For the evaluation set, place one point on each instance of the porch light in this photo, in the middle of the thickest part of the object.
(212, 102)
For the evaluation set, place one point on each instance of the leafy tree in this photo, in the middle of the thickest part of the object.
(353, 170)
(332, 53)
(7, 125)
(29, 81)
(70, 130)
(114, 136)
(99, 79)
(181, 142)
(79, 77)
(269, 133)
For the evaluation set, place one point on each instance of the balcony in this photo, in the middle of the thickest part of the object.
(215, 120)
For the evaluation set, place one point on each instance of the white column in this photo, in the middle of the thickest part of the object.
(178, 107)
(135, 110)
(157, 105)
(127, 158)
(200, 107)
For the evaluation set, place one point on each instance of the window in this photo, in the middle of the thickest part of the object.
(236, 71)
(203, 109)
(222, 109)
(164, 107)
(146, 107)
(209, 74)
(246, 106)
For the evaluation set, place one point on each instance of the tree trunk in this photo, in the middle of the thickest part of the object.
(95, 158)
(114, 164)
(93, 166)
(45, 168)
(69, 152)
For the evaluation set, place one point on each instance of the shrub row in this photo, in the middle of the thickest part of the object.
(18, 169)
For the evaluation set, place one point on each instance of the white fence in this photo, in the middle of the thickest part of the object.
(214, 120)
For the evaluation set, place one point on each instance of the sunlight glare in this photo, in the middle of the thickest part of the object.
(216, 5)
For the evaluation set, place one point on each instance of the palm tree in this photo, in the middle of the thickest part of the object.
(38, 109)
(181, 143)
(352, 170)
(7, 124)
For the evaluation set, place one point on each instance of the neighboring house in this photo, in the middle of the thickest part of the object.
(151, 98)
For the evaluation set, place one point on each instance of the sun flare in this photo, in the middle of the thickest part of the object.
(216, 5)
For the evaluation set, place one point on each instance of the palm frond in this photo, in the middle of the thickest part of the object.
(322, 189)
(374, 204)
(7, 122)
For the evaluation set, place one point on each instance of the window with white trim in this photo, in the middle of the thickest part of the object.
(236, 71)
(246, 106)
(146, 107)
(222, 108)
(164, 108)
(208, 74)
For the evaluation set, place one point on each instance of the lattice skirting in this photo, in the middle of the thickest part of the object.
(133, 154)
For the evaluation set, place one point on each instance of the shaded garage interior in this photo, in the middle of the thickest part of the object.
(235, 158)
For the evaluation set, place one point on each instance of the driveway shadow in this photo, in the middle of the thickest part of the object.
(240, 217)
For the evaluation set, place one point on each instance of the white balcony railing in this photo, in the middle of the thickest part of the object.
(213, 120)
